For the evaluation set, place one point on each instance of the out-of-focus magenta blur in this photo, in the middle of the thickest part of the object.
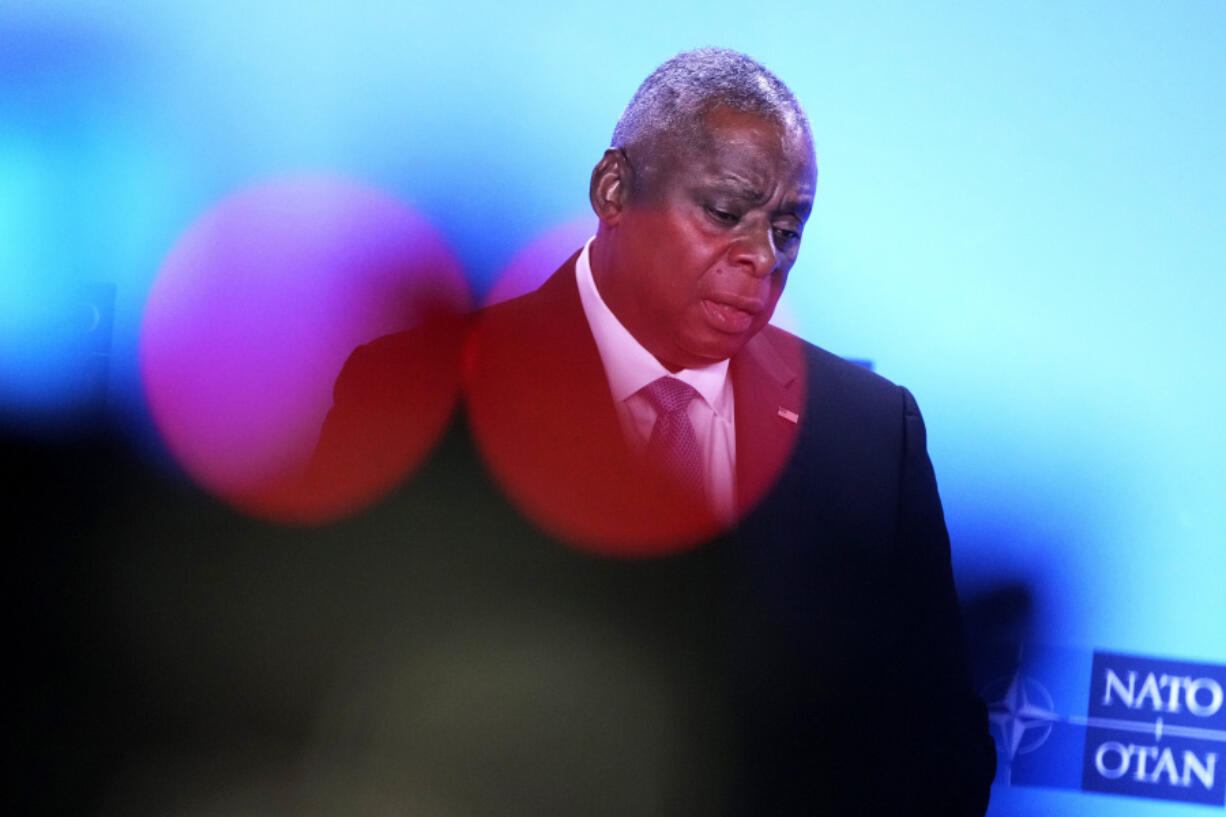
(257, 307)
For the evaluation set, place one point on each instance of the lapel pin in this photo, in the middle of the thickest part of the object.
(790, 416)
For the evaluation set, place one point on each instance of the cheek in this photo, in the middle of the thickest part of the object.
(682, 274)
(776, 291)
(777, 283)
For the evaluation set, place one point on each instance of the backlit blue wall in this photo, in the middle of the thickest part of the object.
(1021, 216)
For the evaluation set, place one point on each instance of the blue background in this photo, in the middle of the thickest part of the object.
(1021, 216)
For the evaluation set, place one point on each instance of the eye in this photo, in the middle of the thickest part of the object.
(785, 237)
(722, 216)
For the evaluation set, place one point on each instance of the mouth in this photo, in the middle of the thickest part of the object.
(730, 313)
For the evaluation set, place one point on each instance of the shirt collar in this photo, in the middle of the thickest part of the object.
(628, 366)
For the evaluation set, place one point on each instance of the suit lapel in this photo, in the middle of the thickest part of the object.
(568, 358)
(542, 413)
(769, 388)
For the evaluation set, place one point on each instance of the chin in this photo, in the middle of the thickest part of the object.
(714, 350)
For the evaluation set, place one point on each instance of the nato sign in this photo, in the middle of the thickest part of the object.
(1152, 728)
(1155, 729)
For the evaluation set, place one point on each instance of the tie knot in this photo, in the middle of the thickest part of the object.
(668, 394)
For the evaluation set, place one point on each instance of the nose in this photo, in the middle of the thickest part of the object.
(754, 251)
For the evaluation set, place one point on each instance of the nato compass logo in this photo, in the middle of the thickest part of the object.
(1024, 714)
(1153, 728)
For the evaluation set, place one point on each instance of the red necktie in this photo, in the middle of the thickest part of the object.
(673, 444)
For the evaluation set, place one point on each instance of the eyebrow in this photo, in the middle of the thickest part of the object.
(801, 206)
(739, 187)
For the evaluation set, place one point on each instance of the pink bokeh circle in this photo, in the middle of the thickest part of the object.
(253, 314)
(529, 267)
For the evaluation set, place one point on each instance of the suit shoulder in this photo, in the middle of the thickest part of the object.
(555, 297)
(405, 361)
(834, 374)
(382, 351)
(377, 359)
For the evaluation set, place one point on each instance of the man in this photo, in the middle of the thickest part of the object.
(639, 404)
(701, 207)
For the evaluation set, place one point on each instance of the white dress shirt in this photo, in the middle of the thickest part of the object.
(629, 367)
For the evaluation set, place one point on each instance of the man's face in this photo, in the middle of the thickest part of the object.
(702, 247)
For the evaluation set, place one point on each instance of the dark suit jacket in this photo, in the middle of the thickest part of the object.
(839, 636)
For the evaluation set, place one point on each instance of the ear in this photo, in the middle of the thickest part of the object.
(612, 180)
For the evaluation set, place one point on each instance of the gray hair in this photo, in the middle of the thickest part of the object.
(673, 99)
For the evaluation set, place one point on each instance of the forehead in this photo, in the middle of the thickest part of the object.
(753, 147)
